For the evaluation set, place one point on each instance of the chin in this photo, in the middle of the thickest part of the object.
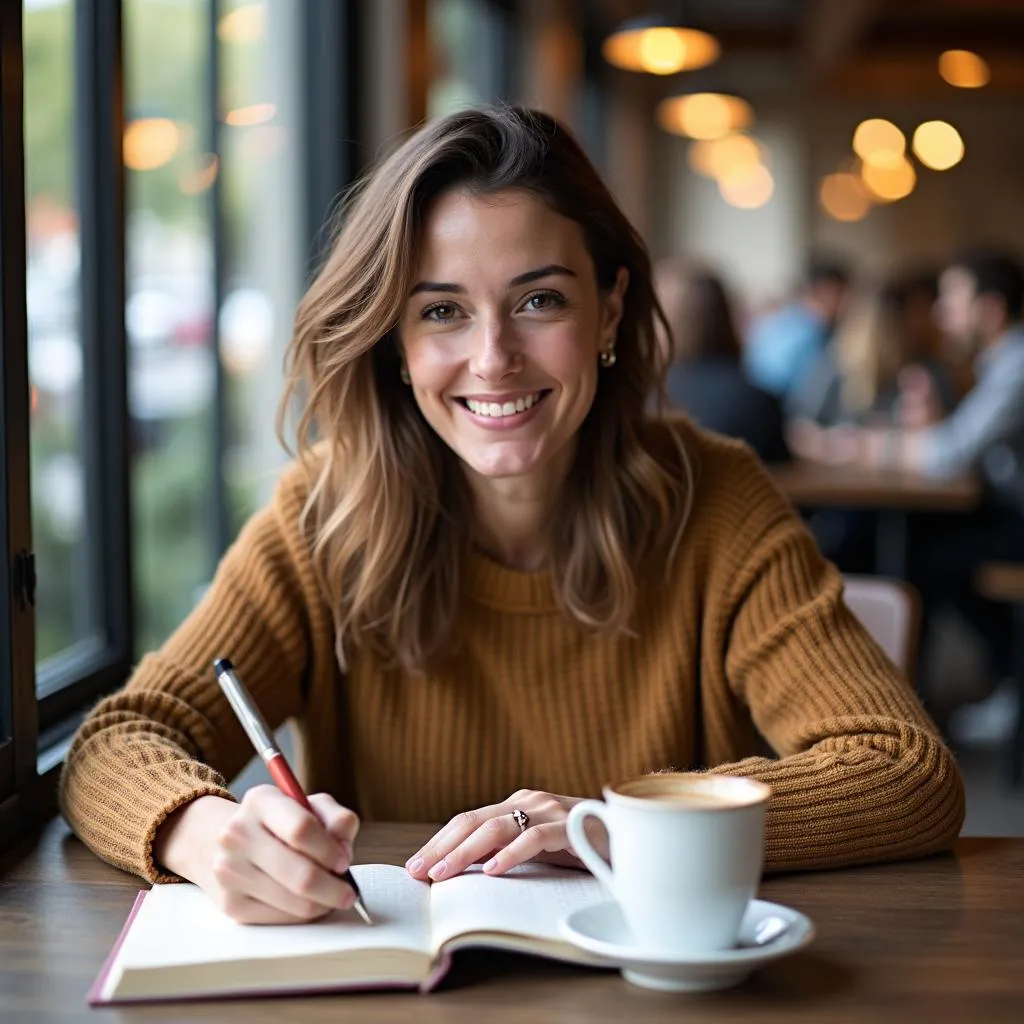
(500, 465)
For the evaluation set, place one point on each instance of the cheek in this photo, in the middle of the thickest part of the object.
(430, 365)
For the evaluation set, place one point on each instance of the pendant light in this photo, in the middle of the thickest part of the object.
(660, 45)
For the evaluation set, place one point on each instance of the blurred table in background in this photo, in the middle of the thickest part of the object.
(891, 494)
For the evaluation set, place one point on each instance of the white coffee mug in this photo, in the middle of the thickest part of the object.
(687, 850)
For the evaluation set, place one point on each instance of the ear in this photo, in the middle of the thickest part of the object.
(613, 302)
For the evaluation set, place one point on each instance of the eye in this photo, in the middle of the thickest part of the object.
(440, 312)
(544, 301)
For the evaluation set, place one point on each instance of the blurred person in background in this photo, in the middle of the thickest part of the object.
(782, 345)
(882, 368)
(981, 303)
(705, 379)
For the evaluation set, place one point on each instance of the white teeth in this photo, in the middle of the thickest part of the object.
(499, 409)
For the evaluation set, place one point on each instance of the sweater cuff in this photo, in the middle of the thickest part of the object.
(129, 807)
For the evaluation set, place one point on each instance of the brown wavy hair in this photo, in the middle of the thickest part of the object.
(389, 511)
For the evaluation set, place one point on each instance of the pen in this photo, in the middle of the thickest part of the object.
(262, 739)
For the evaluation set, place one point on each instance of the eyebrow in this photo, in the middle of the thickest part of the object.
(551, 270)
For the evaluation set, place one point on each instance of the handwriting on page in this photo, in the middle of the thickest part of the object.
(529, 900)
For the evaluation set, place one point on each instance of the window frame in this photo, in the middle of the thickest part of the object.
(17, 617)
(76, 677)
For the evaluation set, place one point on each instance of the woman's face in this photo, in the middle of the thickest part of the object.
(503, 328)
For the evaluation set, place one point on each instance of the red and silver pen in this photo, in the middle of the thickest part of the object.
(263, 740)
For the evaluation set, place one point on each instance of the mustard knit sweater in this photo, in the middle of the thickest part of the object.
(749, 634)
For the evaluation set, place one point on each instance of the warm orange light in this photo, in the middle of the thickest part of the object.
(149, 143)
(938, 145)
(964, 69)
(889, 183)
(198, 180)
(844, 197)
(879, 142)
(660, 50)
(714, 157)
(747, 188)
(704, 115)
(245, 24)
(243, 117)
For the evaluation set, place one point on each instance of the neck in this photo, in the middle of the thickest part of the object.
(513, 515)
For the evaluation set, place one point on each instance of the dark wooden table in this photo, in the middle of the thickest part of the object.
(940, 939)
(893, 495)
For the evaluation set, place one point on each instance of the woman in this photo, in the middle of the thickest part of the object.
(706, 379)
(493, 572)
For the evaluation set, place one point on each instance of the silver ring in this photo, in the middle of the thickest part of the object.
(521, 818)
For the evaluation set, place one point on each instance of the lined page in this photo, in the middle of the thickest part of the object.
(179, 924)
(531, 899)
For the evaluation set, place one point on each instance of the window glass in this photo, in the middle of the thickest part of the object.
(169, 311)
(264, 251)
(65, 612)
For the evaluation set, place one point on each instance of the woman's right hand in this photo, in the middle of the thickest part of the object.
(266, 860)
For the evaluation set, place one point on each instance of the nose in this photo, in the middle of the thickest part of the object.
(495, 355)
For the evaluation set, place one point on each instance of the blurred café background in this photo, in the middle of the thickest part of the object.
(754, 139)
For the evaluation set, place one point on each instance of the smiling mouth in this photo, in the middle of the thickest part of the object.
(499, 410)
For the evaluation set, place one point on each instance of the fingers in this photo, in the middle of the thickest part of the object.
(534, 841)
(421, 863)
(263, 865)
(494, 834)
(341, 823)
(275, 862)
(293, 825)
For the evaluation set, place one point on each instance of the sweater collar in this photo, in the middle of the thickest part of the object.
(508, 589)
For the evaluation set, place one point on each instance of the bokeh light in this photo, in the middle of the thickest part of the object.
(888, 184)
(704, 115)
(150, 142)
(715, 157)
(844, 197)
(747, 188)
(660, 50)
(937, 144)
(879, 142)
(964, 69)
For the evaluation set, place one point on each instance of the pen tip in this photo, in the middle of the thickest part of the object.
(360, 908)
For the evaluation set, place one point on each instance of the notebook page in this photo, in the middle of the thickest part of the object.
(531, 899)
(179, 924)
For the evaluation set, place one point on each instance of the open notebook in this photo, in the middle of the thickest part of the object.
(176, 944)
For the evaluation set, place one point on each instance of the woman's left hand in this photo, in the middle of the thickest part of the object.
(492, 834)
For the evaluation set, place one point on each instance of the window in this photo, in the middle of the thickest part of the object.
(158, 217)
(172, 364)
(53, 258)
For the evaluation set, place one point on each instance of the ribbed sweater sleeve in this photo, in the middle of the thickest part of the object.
(862, 773)
(170, 736)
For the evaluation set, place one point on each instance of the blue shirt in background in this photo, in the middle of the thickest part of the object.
(782, 346)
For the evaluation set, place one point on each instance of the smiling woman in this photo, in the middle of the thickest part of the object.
(488, 569)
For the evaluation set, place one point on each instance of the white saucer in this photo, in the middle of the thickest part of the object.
(602, 929)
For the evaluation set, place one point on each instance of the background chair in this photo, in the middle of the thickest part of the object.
(890, 611)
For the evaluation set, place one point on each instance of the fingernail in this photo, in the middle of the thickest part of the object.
(438, 870)
(491, 864)
(414, 866)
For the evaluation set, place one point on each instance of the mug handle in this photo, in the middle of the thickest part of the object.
(578, 814)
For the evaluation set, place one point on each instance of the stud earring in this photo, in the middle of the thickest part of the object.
(404, 374)
(607, 357)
